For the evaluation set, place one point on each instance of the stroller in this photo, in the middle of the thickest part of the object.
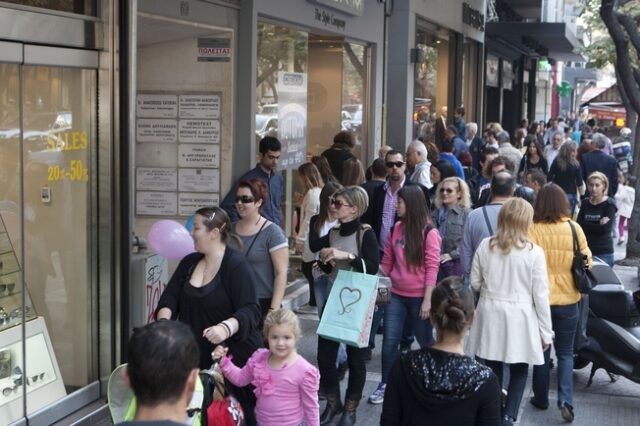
(211, 404)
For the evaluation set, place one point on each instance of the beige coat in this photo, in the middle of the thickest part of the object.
(513, 316)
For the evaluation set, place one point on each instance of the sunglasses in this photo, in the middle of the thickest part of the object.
(447, 190)
(338, 204)
(12, 389)
(392, 164)
(245, 199)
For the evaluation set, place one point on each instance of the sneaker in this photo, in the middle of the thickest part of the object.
(377, 397)
(621, 241)
(307, 309)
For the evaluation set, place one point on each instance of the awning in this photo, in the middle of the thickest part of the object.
(555, 40)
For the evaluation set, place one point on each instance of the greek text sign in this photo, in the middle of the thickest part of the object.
(197, 155)
(156, 179)
(199, 131)
(156, 203)
(199, 180)
(214, 49)
(157, 106)
(156, 130)
(190, 202)
(199, 106)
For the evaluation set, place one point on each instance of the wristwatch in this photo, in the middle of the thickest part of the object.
(352, 256)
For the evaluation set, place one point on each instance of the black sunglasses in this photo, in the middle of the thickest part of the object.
(8, 288)
(392, 164)
(338, 204)
(447, 190)
(245, 199)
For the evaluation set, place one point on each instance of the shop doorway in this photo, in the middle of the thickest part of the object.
(48, 196)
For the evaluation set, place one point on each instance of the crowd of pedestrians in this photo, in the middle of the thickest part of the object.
(486, 213)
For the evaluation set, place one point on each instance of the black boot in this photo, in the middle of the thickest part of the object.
(334, 405)
(349, 416)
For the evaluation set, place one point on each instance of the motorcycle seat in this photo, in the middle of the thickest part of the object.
(603, 273)
(614, 303)
(615, 339)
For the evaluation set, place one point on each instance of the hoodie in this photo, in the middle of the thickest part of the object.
(433, 387)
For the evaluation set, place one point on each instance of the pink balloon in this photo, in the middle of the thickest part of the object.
(170, 239)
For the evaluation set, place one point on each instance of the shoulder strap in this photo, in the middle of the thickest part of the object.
(363, 226)
(486, 219)
(255, 238)
(574, 237)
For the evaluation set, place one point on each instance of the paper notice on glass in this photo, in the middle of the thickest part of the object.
(189, 202)
(196, 155)
(157, 106)
(199, 131)
(156, 130)
(199, 180)
(156, 179)
(199, 106)
(156, 203)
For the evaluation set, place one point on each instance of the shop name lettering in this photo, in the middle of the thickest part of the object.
(328, 18)
(472, 17)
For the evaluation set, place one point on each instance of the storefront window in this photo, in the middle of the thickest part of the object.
(355, 96)
(47, 207)
(431, 93)
(82, 7)
(471, 89)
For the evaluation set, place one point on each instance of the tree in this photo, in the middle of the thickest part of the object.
(621, 19)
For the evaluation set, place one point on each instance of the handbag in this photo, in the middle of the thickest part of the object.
(219, 408)
(348, 313)
(581, 275)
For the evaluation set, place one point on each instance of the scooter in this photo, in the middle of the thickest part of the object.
(613, 327)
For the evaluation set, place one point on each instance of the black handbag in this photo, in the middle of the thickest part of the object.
(580, 268)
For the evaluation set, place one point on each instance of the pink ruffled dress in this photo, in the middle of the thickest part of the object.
(287, 396)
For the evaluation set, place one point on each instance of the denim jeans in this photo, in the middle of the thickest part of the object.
(517, 382)
(564, 320)
(606, 258)
(573, 202)
(400, 310)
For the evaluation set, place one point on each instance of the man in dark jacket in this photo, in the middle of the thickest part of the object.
(598, 161)
(339, 152)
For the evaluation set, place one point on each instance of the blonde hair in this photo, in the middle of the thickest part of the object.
(602, 177)
(356, 196)
(465, 197)
(514, 220)
(282, 317)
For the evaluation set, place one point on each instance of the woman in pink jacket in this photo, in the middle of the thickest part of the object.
(411, 260)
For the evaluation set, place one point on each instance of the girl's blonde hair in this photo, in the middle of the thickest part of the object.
(514, 220)
(465, 197)
(281, 317)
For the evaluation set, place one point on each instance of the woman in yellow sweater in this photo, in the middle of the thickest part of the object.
(551, 230)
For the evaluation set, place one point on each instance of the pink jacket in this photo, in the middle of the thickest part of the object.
(287, 396)
(411, 282)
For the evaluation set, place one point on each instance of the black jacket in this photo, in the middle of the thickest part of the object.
(432, 387)
(336, 156)
(598, 161)
(373, 215)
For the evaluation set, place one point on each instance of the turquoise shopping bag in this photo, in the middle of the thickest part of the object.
(349, 309)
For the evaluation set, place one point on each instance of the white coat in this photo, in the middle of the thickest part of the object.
(625, 197)
(513, 316)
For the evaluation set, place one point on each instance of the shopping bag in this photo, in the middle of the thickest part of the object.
(348, 312)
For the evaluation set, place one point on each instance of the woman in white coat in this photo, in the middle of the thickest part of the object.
(513, 319)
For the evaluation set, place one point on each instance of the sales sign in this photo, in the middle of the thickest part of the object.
(199, 106)
(198, 155)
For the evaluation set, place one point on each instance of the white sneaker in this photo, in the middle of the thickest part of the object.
(377, 397)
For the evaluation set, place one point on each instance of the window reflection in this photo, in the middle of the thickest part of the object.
(82, 7)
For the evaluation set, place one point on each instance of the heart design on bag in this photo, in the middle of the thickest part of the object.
(348, 297)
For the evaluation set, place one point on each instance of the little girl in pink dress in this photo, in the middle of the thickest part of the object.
(286, 385)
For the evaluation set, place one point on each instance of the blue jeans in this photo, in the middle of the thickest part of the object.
(606, 258)
(573, 202)
(564, 320)
(396, 314)
(517, 382)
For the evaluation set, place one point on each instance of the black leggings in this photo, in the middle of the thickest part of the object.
(307, 268)
(327, 354)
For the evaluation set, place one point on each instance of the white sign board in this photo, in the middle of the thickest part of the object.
(157, 106)
(190, 202)
(156, 179)
(156, 130)
(192, 155)
(199, 180)
(199, 106)
(156, 203)
(199, 131)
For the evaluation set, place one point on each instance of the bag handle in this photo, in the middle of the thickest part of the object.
(255, 238)
(574, 237)
(486, 219)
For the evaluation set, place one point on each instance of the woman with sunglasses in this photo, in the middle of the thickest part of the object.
(440, 170)
(453, 205)
(440, 385)
(212, 291)
(345, 247)
(513, 319)
(411, 259)
(264, 245)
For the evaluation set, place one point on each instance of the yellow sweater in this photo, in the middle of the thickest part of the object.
(557, 242)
